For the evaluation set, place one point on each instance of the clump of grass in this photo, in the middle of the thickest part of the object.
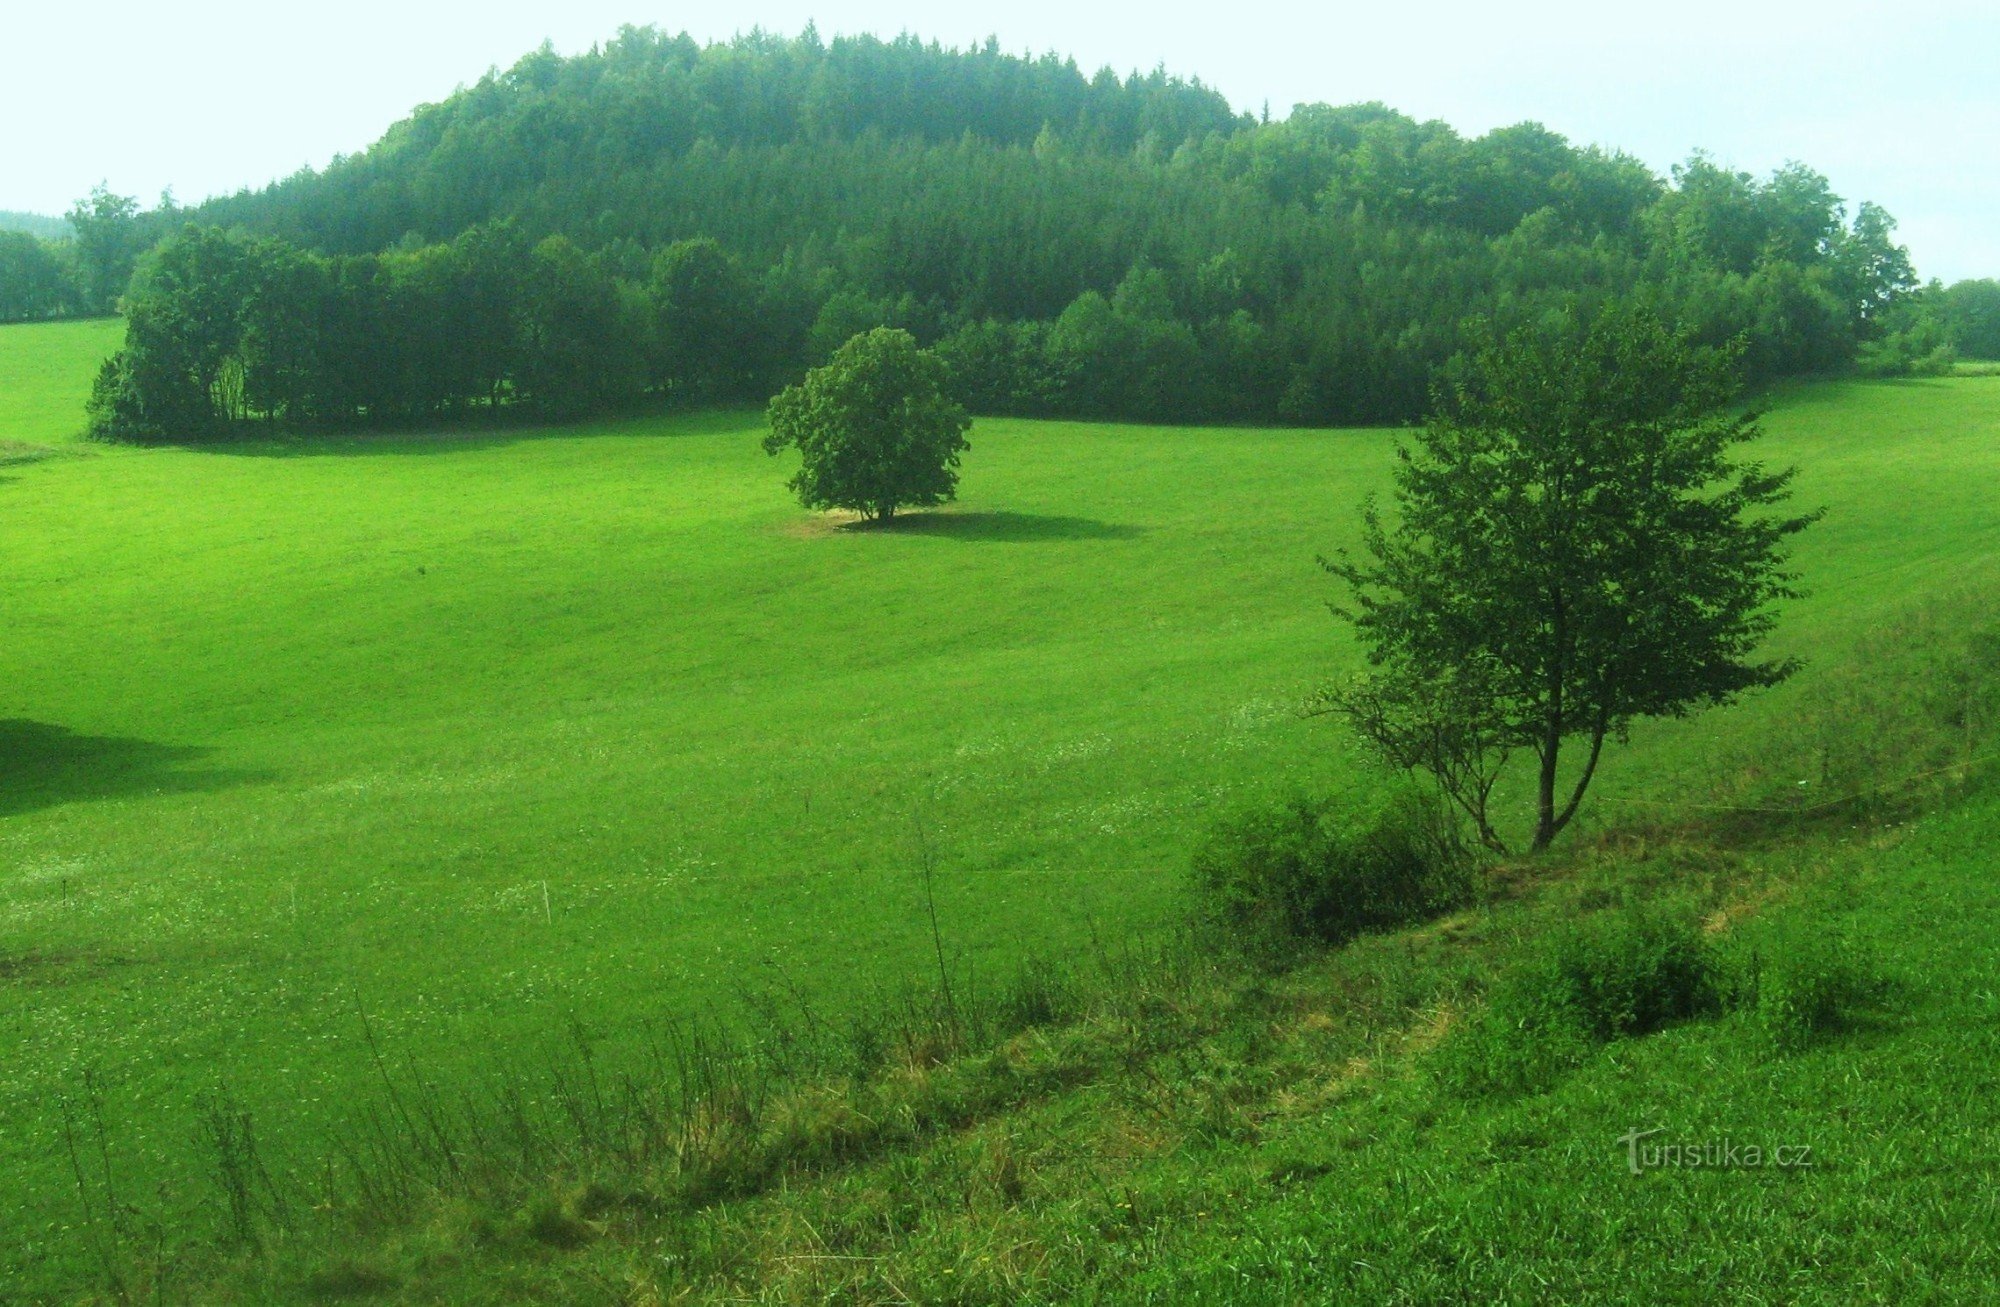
(348, 1279)
(550, 1222)
(1040, 994)
(1808, 988)
(1615, 976)
(1315, 870)
(1631, 972)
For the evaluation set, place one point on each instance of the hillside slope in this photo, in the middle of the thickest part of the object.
(451, 745)
(1226, 1137)
(1086, 247)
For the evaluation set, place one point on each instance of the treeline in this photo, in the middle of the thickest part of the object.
(37, 279)
(1970, 313)
(35, 224)
(1091, 246)
(619, 121)
(78, 265)
(225, 328)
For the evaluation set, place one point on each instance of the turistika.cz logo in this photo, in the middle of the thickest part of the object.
(1709, 1154)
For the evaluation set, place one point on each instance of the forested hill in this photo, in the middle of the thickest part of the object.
(34, 224)
(680, 220)
(625, 121)
(977, 181)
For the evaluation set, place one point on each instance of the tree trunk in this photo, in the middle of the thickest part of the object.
(1549, 823)
(1589, 770)
(1546, 824)
(1545, 793)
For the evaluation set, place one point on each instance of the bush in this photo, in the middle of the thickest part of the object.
(1629, 974)
(1618, 976)
(1919, 352)
(1308, 870)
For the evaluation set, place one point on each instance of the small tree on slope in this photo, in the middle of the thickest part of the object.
(876, 428)
(1575, 547)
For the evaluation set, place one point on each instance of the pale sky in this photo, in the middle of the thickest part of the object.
(1894, 102)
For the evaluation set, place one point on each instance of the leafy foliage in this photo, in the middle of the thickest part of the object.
(34, 279)
(1309, 870)
(1971, 313)
(179, 373)
(224, 327)
(705, 319)
(876, 428)
(109, 240)
(1077, 245)
(34, 224)
(1576, 547)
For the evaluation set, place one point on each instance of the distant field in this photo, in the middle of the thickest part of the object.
(482, 734)
(45, 374)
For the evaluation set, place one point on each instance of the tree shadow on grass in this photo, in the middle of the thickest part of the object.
(18, 453)
(1002, 526)
(42, 766)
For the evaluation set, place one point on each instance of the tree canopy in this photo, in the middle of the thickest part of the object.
(34, 279)
(1575, 545)
(1072, 244)
(876, 428)
(1971, 312)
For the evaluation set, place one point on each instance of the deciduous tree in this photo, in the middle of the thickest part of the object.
(1575, 546)
(109, 240)
(876, 428)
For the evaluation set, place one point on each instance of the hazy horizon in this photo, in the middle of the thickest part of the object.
(1886, 101)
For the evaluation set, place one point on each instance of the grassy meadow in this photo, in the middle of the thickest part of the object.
(45, 374)
(456, 741)
(1295, 1139)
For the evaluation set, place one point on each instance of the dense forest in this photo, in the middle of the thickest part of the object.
(657, 219)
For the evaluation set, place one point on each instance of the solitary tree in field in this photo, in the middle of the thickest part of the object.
(876, 428)
(1575, 546)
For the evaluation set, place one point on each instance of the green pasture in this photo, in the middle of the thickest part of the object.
(1860, 1169)
(483, 734)
(45, 375)
(1300, 1144)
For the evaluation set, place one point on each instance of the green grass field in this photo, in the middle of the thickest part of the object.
(1293, 1144)
(485, 733)
(45, 375)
